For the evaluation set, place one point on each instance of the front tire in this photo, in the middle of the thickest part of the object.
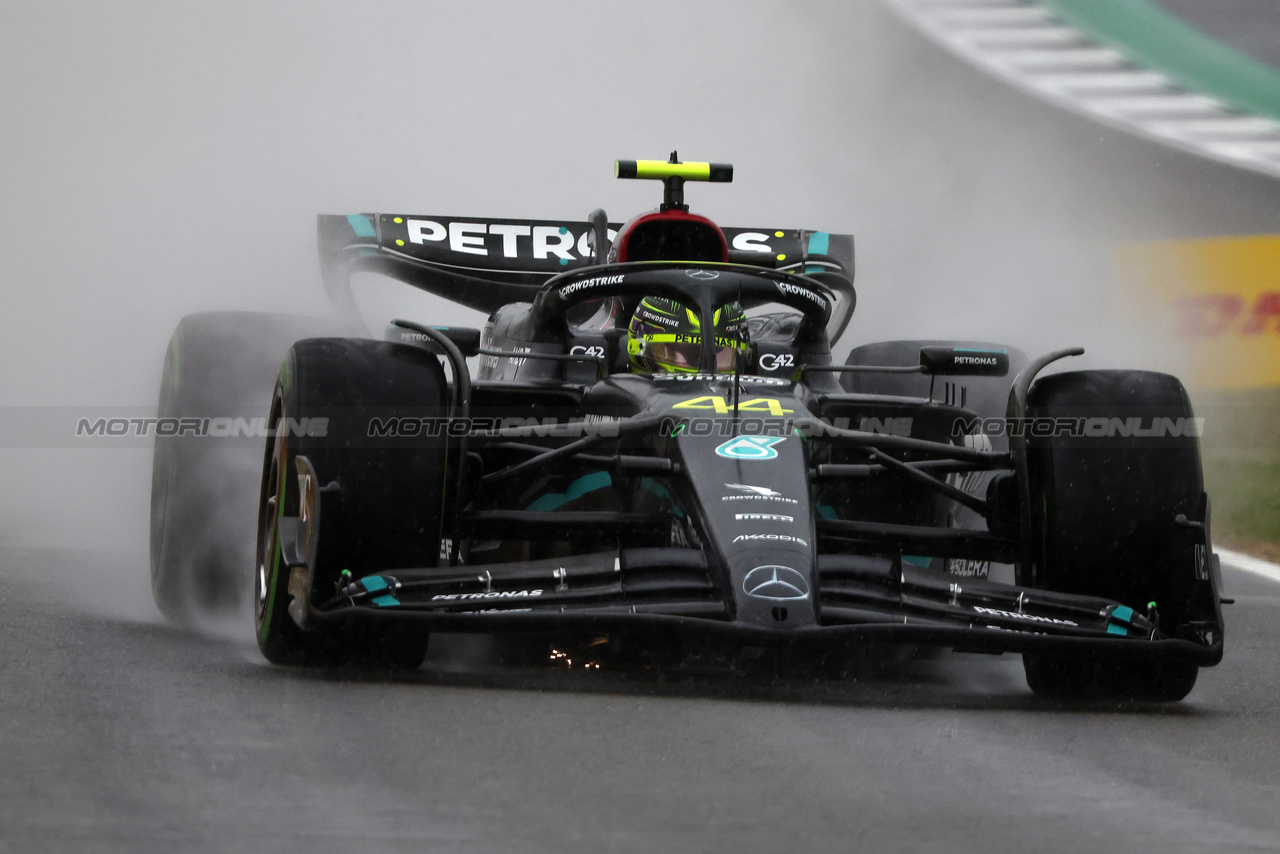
(381, 498)
(1104, 508)
(1063, 678)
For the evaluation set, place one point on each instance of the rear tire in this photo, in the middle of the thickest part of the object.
(381, 499)
(218, 365)
(986, 396)
(1104, 509)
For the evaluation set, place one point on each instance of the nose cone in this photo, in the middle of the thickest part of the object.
(777, 596)
(754, 492)
(774, 587)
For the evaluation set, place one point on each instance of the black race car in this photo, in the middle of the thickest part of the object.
(735, 487)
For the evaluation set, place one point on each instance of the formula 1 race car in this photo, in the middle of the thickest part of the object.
(657, 443)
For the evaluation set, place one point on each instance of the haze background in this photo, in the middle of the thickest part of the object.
(158, 159)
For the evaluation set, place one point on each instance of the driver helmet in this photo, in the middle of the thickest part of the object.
(665, 337)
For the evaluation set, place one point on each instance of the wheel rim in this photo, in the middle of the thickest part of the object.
(269, 512)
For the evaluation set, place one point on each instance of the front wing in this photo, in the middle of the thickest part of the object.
(674, 590)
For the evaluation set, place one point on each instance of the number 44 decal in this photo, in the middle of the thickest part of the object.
(722, 407)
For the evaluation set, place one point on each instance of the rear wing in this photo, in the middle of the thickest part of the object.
(485, 264)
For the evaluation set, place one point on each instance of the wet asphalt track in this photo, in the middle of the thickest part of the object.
(119, 733)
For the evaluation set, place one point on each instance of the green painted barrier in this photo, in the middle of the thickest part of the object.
(1152, 37)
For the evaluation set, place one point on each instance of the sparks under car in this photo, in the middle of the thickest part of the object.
(709, 472)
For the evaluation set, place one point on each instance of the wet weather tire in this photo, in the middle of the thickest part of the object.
(381, 499)
(218, 365)
(986, 396)
(1104, 507)
(1064, 678)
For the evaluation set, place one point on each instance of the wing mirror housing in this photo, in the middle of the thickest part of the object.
(963, 361)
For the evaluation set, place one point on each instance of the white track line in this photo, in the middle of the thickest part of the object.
(1249, 563)
(1026, 45)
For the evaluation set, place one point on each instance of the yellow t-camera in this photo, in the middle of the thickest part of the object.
(672, 173)
(660, 170)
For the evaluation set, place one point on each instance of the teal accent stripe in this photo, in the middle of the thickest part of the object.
(1117, 630)
(385, 601)
(917, 561)
(813, 268)
(577, 489)
(374, 583)
(1122, 613)
(819, 243)
(661, 491)
(826, 511)
(1152, 37)
(361, 226)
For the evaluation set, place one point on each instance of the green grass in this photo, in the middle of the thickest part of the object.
(1245, 496)
(1241, 452)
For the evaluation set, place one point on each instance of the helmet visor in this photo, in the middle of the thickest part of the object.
(686, 355)
(670, 354)
(726, 359)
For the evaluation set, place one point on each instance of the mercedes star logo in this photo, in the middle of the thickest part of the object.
(780, 583)
(702, 274)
